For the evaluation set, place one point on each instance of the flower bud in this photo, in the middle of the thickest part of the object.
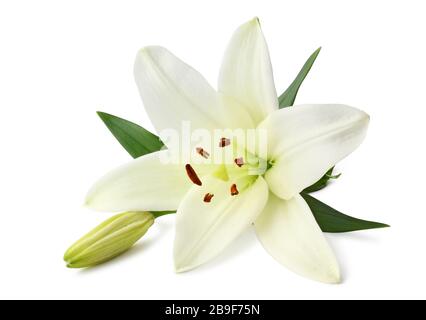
(108, 240)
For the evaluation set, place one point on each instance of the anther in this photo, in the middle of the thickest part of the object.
(192, 175)
(208, 197)
(239, 161)
(234, 190)
(224, 142)
(202, 152)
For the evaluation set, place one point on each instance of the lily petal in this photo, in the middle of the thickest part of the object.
(143, 184)
(173, 92)
(246, 72)
(204, 229)
(289, 232)
(306, 140)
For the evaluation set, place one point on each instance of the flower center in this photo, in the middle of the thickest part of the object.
(240, 174)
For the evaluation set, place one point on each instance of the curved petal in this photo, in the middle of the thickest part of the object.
(173, 92)
(288, 231)
(246, 72)
(143, 184)
(306, 140)
(204, 229)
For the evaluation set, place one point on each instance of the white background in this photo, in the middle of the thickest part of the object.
(63, 60)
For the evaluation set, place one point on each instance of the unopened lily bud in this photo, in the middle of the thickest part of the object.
(109, 239)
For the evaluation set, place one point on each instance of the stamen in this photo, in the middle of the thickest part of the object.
(224, 142)
(239, 161)
(234, 190)
(202, 152)
(192, 175)
(208, 197)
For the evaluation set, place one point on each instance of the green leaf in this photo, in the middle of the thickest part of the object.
(322, 183)
(135, 139)
(288, 97)
(331, 220)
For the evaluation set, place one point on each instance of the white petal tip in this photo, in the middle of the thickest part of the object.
(182, 268)
(179, 270)
(363, 116)
(181, 264)
(254, 23)
(143, 53)
(330, 276)
(255, 20)
(92, 206)
(90, 202)
(87, 202)
(367, 117)
(333, 279)
(336, 281)
(148, 51)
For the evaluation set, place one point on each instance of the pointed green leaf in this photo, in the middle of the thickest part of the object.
(322, 183)
(288, 97)
(331, 220)
(135, 139)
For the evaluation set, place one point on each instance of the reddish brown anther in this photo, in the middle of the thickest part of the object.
(239, 161)
(234, 190)
(202, 152)
(208, 197)
(192, 175)
(224, 142)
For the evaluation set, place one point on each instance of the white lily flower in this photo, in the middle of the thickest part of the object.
(215, 203)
